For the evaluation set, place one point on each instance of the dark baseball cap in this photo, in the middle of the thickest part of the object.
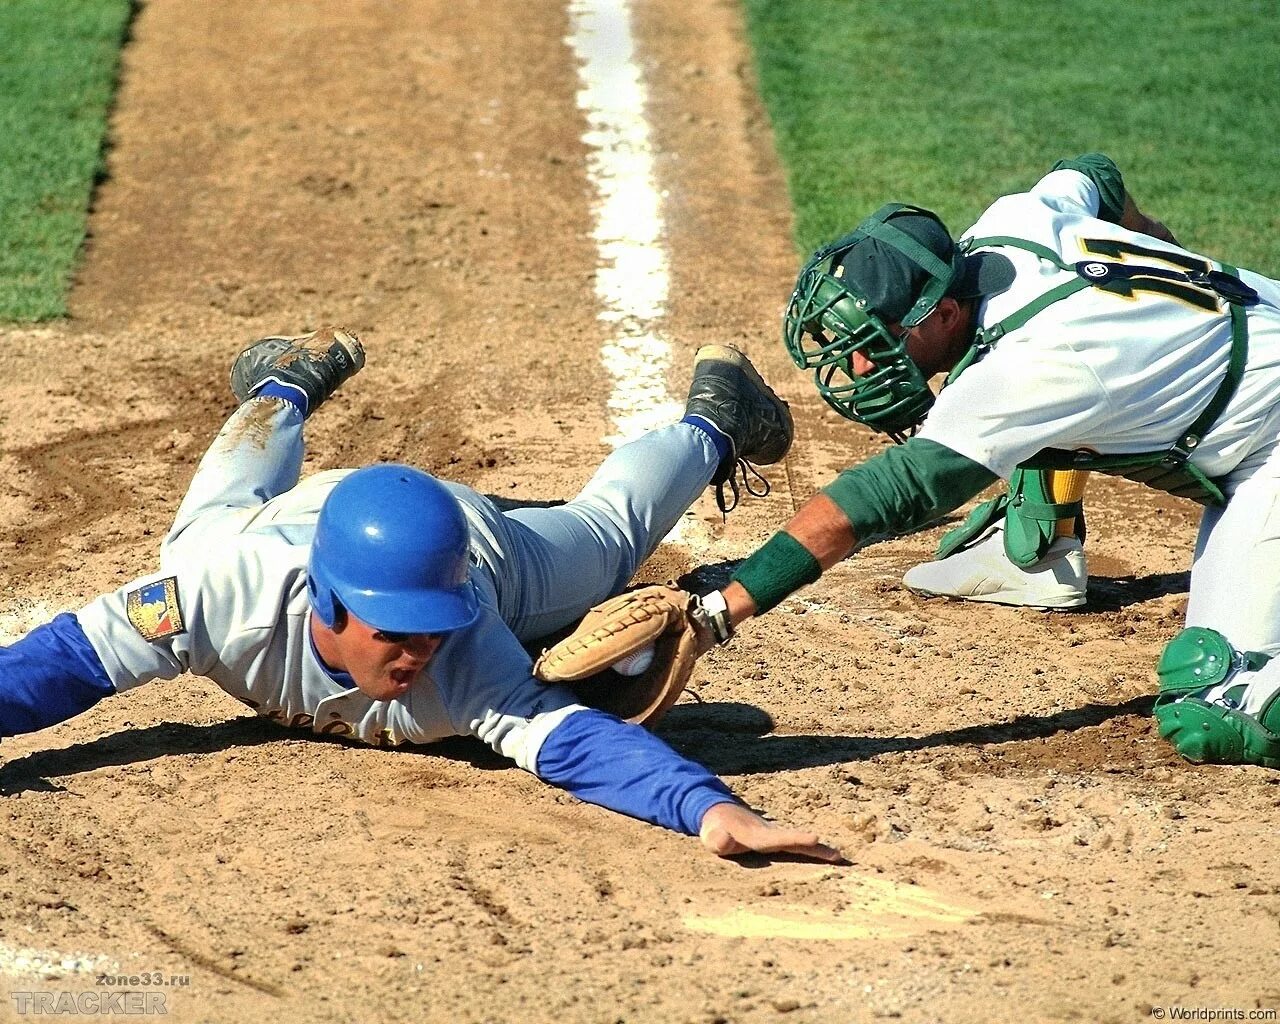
(892, 281)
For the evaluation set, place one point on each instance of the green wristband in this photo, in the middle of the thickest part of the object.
(783, 565)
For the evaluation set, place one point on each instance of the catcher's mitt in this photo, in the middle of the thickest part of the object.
(620, 627)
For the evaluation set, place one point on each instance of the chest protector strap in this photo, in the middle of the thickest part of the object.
(1168, 470)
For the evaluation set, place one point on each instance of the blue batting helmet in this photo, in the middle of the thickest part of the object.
(391, 547)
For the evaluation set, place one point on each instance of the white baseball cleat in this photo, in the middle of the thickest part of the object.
(983, 572)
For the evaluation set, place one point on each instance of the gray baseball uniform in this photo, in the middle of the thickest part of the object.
(234, 568)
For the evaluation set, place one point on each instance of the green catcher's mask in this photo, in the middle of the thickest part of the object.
(834, 313)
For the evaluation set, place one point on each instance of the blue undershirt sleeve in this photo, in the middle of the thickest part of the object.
(51, 674)
(603, 760)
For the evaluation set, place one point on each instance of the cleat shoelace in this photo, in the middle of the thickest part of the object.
(744, 469)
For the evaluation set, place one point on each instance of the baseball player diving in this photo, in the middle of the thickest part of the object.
(1076, 336)
(388, 606)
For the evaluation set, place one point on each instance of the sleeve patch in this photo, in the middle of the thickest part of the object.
(154, 611)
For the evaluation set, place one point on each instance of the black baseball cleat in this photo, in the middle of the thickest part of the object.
(727, 391)
(314, 364)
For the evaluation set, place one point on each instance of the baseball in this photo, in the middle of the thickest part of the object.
(635, 662)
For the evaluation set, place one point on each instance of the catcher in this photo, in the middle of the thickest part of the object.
(388, 606)
(1076, 335)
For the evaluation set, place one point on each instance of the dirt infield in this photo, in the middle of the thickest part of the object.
(1023, 846)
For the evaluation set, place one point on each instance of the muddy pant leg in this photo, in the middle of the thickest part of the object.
(557, 562)
(50, 675)
(255, 457)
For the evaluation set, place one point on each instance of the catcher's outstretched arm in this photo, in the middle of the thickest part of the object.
(819, 531)
(901, 488)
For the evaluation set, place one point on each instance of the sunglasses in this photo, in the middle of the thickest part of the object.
(391, 637)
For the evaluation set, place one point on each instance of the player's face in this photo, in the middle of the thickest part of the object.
(929, 343)
(384, 665)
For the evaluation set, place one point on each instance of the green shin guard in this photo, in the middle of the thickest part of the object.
(1211, 734)
(1030, 519)
(1207, 733)
(1031, 522)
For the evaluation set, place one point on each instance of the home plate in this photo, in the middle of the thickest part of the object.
(51, 963)
(875, 909)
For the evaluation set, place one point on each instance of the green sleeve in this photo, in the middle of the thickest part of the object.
(905, 487)
(1104, 173)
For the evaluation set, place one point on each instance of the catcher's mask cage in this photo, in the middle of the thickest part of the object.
(828, 319)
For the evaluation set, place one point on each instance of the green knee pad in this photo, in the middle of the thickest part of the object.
(1209, 733)
(1030, 519)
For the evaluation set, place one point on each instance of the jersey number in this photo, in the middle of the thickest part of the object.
(1125, 279)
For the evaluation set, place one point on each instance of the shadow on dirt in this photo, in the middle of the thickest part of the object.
(729, 738)
(1106, 593)
(706, 742)
(134, 746)
(34, 772)
(1111, 594)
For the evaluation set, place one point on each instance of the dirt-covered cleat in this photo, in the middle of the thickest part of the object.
(983, 572)
(313, 364)
(728, 392)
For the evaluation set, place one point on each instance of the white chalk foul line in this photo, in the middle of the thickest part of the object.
(632, 277)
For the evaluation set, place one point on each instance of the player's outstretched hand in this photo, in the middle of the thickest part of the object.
(729, 829)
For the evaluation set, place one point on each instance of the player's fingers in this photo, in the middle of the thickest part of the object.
(819, 851)
(769, 839)
(801, 844)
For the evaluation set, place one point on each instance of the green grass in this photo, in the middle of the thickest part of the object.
(58, 62)
(949, 105)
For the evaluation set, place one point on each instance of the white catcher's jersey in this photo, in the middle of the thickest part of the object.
(230, 602)
(1100, 371)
